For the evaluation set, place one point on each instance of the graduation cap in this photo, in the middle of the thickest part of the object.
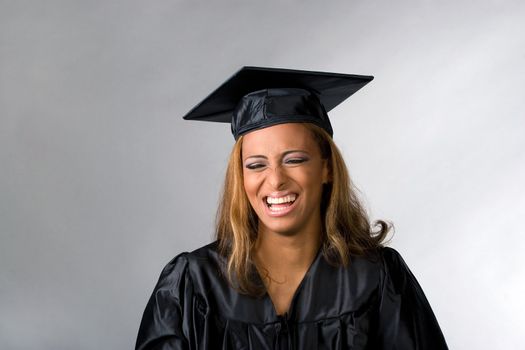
(257, 97)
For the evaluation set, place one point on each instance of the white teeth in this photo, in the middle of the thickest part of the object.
(276, 209)
(280, 200)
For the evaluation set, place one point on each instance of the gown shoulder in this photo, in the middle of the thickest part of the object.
(406, 319)
(161, 325)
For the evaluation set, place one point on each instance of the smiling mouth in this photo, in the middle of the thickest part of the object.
(279, 204)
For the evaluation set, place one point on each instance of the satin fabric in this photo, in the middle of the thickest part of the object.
(374, 303)
(267, 107)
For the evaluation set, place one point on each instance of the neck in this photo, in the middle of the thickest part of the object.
(280, 252)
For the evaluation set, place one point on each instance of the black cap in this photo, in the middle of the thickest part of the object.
(256, 97)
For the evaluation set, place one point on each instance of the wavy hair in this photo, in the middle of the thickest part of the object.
(346, 227)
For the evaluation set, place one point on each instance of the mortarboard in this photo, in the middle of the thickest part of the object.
(257, 97)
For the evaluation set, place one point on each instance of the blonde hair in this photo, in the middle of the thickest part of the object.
(346, 227)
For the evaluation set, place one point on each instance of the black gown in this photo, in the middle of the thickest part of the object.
(371, 304)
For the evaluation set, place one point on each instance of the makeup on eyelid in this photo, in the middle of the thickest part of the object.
(290, 160)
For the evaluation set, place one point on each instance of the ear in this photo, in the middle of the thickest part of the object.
(327, 171)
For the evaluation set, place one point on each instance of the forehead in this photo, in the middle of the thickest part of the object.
(279, 138)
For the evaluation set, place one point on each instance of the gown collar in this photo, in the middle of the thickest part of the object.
(291, 314)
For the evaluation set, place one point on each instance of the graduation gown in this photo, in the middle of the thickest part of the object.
(371, 304)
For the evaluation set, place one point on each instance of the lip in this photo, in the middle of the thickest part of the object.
(280, 194)
(282, 212)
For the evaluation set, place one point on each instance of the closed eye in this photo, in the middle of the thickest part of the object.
(255, 166)
(296, 160)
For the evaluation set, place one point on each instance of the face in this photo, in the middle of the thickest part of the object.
(283, 178)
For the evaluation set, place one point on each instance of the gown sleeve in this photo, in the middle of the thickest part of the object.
(406, 320)
(162, 323)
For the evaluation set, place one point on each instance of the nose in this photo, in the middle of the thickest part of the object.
(277, 177)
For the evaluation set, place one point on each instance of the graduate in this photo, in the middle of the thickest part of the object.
(296, 263)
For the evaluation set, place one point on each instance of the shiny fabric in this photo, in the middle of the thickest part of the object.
(264, 108)
(375, 303)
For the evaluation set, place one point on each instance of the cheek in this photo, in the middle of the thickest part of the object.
(311, 180)
(250, 185)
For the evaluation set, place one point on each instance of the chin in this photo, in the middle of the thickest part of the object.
(280, 228)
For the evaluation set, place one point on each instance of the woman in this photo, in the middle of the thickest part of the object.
(296, 263)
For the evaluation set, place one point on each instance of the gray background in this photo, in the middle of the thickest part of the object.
(102, 183)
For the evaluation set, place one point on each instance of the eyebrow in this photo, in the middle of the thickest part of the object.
(283, 155)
